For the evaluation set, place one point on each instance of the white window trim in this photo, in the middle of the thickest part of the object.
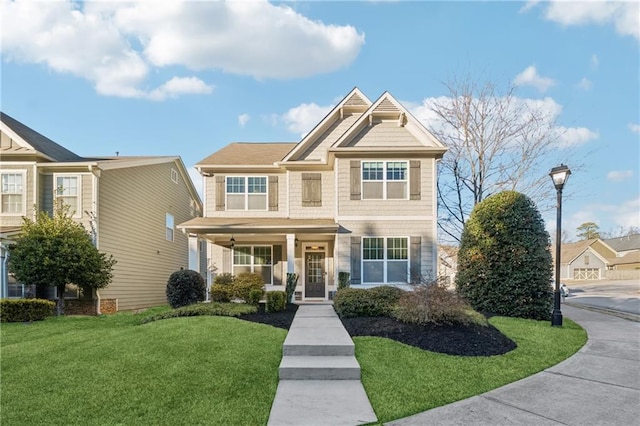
(385, 260)
(22, 172)
(174, 175)
(173, 227)
(384, 180)
(246, 193)
(253, 264)
(76, 214)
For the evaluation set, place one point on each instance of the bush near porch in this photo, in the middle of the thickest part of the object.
(227, 287)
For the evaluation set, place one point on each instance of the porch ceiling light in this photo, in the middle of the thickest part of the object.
(232, 241)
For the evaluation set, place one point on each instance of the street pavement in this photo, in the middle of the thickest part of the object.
(599, 385)
(619, 295)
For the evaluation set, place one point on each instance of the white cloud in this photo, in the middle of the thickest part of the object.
(243, 119)
(625, 214)
(635, 128)
(624, 16)
(595, 62)
(528, 6)
(116, 45)
(302, 118)
(546, 109)
(530, 77)
(584, 84)
(619, 175)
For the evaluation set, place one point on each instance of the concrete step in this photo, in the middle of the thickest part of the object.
(319, 341)
(319, 368)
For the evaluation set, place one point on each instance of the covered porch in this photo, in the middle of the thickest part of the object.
(271, 247)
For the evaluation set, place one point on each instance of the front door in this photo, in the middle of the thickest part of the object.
(314, 277)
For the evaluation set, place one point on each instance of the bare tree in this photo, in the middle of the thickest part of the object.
(620, 231)
(497, 141)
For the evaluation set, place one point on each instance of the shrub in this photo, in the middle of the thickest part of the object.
(358, 302)
(276, 301)
(344, 280)
(292, 282)
(255, 295)
(23, 310)
(214, 309)
(244, 283)
(221, 292)
(185, 287)
(434, 303)
(224, 279)
(504, 262)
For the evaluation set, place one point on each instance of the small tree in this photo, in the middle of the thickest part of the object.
(504, 262)
(56, 251)
(588, 231)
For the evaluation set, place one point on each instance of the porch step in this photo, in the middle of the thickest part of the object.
(318, 337)
(319, 368)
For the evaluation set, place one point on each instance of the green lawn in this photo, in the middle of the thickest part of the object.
(111, 370)
(219, 370)
(401, 380)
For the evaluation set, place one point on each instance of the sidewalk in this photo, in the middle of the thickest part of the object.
(600, 385)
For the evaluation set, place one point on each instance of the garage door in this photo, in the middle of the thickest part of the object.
(586, 274)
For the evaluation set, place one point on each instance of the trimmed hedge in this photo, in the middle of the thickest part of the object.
(255, 295)
(244, 282)
(24, 310)
(276, 301)
(221, 292)
(358, 302)
(185, 287)
(203, 309)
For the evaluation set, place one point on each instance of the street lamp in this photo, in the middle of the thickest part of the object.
(559, 175)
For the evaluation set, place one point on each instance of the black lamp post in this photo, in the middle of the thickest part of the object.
(559, 175)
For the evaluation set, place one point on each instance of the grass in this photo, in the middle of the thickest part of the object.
(401, 380)
(112, 370)
(218, 370)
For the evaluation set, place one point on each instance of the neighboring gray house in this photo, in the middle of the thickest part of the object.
(357, 194)
(130, 204)
(585, 260)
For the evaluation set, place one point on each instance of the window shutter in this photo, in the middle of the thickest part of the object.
(355, 180)
(356, 267)
(226, 260)
(311, 189)
(277, 265)
(414, 179)
(220, 193)
(416, 256)
(273, 193)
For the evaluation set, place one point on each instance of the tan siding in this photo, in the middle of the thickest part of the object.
(46, 192)
(282, 199)
(318, 150)
(11, 220)
(132, 207)
(384, 134)
(327, 209)
(348, 207)
(6, 142)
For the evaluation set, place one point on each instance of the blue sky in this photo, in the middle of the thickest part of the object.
(187, 78)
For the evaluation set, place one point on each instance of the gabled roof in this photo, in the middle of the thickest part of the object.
(355, 101)
(387, 107)
(37, 142)
(626, 243)
(631, 257)
(247, 154)
(571, 251)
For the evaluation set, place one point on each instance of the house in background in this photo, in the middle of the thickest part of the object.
(448, 264)
(585, 260)
(627, 253)
(356, 195)
(130, 205)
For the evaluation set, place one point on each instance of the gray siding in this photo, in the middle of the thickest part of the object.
(133, 203)
(384, 134)
(326, 210)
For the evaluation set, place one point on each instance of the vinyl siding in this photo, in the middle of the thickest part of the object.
(384, 134)
(318, 149)
(388, 228)
(16, 220)
(326, 210)
(422, 207)
(133, 203)
(47, 191)
(210, 198)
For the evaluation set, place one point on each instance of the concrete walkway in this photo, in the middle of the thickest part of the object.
(599, 385)
(319, 375)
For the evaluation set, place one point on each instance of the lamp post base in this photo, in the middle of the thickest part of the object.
(556, 315)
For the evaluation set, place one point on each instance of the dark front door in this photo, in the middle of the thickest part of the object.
(314, 279)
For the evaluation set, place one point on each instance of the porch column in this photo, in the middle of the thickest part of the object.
(291, 253)
(194, 257)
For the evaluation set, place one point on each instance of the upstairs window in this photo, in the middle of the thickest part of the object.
(246, 192)
(67, 190)
(12, 193)
(384, 180)
(170, 227)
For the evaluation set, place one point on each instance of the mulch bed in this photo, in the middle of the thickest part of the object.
(469, 340)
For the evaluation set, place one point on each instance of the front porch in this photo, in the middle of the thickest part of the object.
(271, 248)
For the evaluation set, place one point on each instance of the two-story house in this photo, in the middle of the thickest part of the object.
(357, 194)
(130, 205)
